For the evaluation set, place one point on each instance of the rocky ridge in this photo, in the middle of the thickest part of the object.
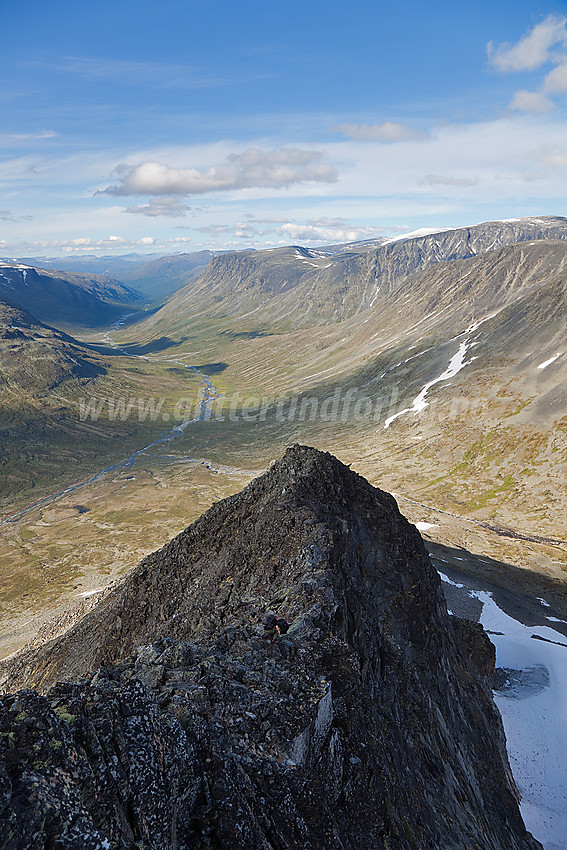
(370, 724)
(302, 287)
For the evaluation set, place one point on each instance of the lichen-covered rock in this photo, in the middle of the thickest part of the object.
(369, 725)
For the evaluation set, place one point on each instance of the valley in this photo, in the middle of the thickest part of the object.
(434, 365)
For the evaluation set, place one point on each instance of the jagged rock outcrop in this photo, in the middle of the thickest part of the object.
(369, 725)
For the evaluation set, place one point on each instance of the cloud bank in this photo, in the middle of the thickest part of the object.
(253, 168)
(326, 229)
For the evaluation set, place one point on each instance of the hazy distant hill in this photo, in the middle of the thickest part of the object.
(154, 276)
(161, 277)
(87, 263)
(65, 297)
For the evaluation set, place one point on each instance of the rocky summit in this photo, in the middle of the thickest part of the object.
(180, 721)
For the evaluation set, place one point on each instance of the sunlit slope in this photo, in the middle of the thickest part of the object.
(297, 287)
(466, 446)
(466, 358)
(422, 310)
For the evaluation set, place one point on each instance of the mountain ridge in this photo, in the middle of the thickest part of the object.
(35, 356)
(306, 287)
(370, 724)
(67, 298)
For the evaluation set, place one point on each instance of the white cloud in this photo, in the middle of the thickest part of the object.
(556, 81)
(534, 49)
(387, 132)
(167, 206)
(8, 140)
(531, 102)
(545, 43)
(441, 180)
(240, 230)
(253, 168)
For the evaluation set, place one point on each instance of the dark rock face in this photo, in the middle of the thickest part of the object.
(369, 725)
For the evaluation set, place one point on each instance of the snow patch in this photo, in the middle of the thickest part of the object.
(456, 363)
(425, 526)
(551, 360)
(447, 580)
(86, 593)
(535, 720)
(415, 234)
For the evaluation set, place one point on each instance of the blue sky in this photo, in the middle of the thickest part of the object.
(173, 126)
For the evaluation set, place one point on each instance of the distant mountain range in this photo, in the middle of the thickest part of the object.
(152, 275)
(88, 263)
(159, 278)
(304, 285)
(301, 286)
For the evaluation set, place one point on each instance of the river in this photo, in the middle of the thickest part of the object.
(210, 394)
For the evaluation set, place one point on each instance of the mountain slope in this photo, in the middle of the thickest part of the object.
(36, 357)
(298, 287)
(483, 447)
(488, 442)
(65, 297)
(369, 725)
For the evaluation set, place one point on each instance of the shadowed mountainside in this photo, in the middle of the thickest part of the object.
(36, 357)
(67, 298)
